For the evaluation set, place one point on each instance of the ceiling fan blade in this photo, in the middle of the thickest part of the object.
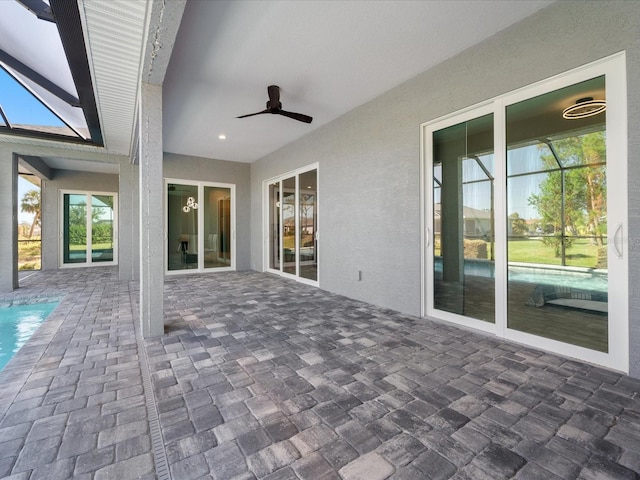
(252, 114)
(274, 106)
(296, 116)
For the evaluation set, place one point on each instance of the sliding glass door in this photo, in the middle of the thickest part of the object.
(200, 226)
(308, 225)
(291, 214)
(526, 240)
(289, 224)
(558, 224)
(217, 227)
(88, 230)
(463, 219)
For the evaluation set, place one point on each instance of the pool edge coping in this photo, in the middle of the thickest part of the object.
(14, 375)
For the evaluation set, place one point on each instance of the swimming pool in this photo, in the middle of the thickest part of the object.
(555, 275)
(17, 324)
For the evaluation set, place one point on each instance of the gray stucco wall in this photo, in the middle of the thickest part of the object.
(207, 170)
(66, 180)
(175, 166)
(129, 222)
(8, 219)
(369, 158)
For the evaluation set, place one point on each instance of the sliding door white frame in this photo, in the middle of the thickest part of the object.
(200, 219)
(89, 224)
(614, 70)
(266, 246)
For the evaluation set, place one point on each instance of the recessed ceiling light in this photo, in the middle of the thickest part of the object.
(222, 136)
(585, 107)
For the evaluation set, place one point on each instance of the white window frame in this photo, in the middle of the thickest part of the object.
(89, 262)
(201, 185)
(265, 224)
(614, 69)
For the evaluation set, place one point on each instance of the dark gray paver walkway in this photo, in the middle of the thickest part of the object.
(260, 377)
(71, 401)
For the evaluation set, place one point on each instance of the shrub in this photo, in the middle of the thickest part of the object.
(475, 249)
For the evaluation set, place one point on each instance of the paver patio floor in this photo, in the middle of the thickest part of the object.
(261, 377)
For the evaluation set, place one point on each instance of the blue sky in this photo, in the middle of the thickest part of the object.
(21, 107)
(23, 187)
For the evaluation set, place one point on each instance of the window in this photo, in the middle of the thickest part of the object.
(89, 228)
(525, 235)
(200, 226)
(292, 224)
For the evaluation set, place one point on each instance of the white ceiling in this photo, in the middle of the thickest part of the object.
(328, 57)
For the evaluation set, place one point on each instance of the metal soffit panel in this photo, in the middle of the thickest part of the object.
(115, 33)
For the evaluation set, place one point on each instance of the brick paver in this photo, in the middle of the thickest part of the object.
(261, 377)
(78, 410)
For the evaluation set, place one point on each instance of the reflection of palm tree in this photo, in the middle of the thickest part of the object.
(30, 203)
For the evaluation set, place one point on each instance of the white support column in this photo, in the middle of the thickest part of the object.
(128, 226)
(8, 220)
(151, 217)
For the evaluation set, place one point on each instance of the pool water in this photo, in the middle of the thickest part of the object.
(597, 282)
(17, 324)
(580, 278)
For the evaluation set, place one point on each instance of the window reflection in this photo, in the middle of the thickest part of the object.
(557, 221)
(217, 227)
(463, 210)
(308, 201)
(182, 225)
(288, 206)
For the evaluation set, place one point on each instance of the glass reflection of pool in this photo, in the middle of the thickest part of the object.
(580, 278)
(17, 324)
(593, 281)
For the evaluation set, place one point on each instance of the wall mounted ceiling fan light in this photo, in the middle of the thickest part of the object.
(584, 107)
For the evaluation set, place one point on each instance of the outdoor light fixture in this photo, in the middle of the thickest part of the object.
(584, 107)
(191, 203)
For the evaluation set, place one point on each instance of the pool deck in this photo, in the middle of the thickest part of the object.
(261, 377)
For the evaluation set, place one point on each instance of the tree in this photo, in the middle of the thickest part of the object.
(30, 203)
(101, 229)
(572, 201)
(518, 225)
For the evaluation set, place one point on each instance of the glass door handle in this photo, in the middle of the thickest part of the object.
(427, 236)
(618, 236)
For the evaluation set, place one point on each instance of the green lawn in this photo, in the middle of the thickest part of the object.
(95, 246)
(289, 241)
(581, 253)
(29, 254)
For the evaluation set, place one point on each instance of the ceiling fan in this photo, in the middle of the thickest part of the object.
(274, 106)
